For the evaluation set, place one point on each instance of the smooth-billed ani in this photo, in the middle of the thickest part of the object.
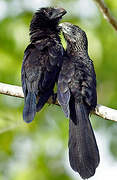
(42, 60)
(77, 97)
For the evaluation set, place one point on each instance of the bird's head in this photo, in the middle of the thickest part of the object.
(74, 35)
(47, 18)
(51, 13)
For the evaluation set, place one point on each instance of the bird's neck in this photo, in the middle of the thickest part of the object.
(40, 34)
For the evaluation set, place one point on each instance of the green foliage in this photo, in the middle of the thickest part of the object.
(37, 150)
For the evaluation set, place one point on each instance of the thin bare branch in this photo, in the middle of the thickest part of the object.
(107, 14)
(11, 90)
(106, 113)
(16, 91)
(100, 110)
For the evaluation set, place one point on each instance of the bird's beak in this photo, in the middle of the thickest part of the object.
(61, 12)
(58, 13)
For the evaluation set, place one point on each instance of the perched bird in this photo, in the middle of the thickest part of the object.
(42, 60)
(77, 97)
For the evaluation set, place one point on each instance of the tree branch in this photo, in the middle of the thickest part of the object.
(16, 91)
(107, 14)
(11, 90)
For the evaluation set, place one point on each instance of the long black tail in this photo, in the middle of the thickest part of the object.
(43, 99)
(83, 150)
(29, 107)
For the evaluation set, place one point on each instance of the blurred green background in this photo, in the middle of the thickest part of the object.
(38, 151)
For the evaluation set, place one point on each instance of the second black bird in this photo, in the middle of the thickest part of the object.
(42, 60)
(77, 97)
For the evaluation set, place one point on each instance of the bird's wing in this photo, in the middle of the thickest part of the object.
(53, 65)
(63, 93)
(89, 85)
(31, 69)
(50, 74)
(23, 73)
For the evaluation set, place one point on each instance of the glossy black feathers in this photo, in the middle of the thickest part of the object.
(77, 97)
(42, 60)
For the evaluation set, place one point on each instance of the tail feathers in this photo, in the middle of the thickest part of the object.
(42, 100)
(63, 99)
(29, 107)
(83, 150)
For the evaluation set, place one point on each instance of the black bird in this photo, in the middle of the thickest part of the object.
(42, 60)
(77, 97)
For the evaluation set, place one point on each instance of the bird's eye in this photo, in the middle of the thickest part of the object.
(50, 13)
(67, 28)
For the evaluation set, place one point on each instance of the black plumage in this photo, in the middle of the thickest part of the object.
(42, 60)
(77, 97)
